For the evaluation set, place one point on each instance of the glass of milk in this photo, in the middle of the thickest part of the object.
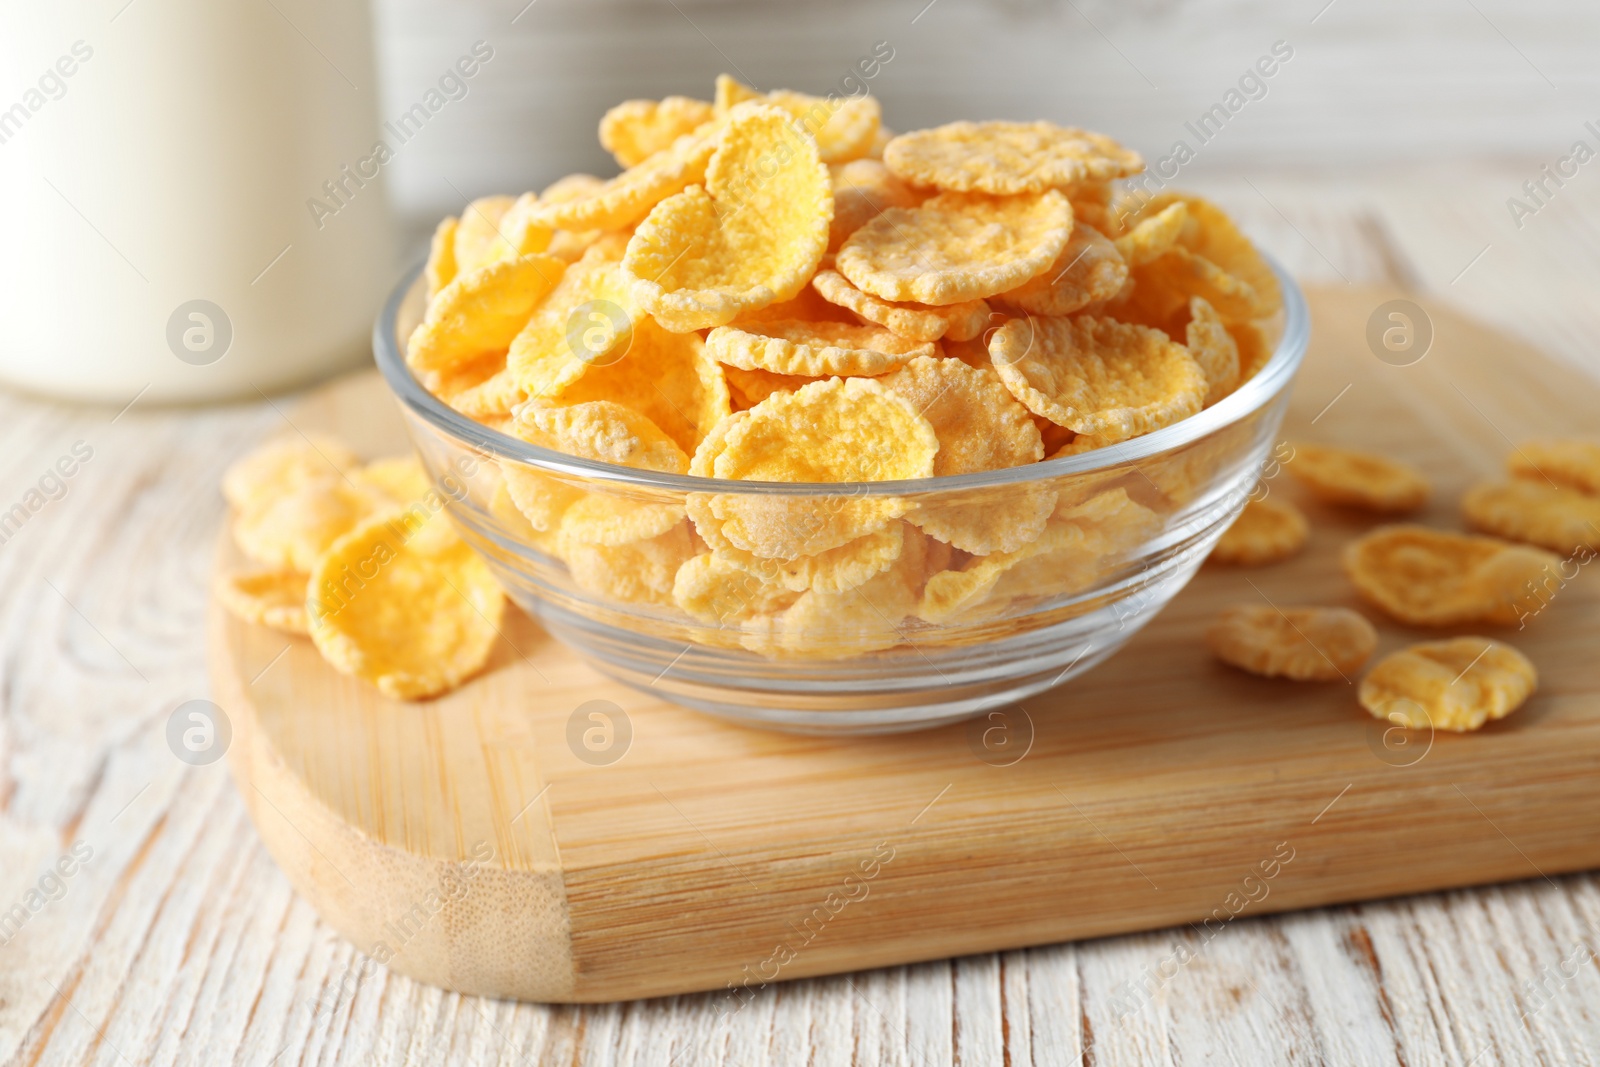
(191, 202)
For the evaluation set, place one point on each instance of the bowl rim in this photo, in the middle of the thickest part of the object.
(1245, 401)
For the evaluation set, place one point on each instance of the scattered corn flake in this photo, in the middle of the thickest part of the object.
(1358, 479)
(957, 246)
(1522, 509)
(273, 598)
(1089, 270)
(1303, 644)
(1427, 577)
(813, 349)
(1096, 375)
(1007, 158)
(284, 464)
(844, 127)
(862, 190)
(413, 623)
(635, 130)
(1213, 347)
(1571, 463)
(479, 313)
(751, 237)
(293, 529)
(1455, 685)
(1268, 530)
(914, 322)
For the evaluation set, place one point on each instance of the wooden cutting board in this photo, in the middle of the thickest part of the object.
(466, 843)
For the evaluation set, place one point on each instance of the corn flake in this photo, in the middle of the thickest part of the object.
(1522, 509)
(284, 465)
(957, 246)
(1571, 463)
(751, 237)
(914, 322)
(635, 130)
(1007, 158)
(1089, 270)
(1097, 376)
(479, 313)
(813, 349)
(1358, 479)
(844, 127)
(1426, 577)
(1213, 347)
(862, 190)
(633, 194)
(1267, 530)
(1304, 644)
(414, 623)
(272, 598)
(1455, 685)
(441, 267)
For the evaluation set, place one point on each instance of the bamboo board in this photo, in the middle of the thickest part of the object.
(464, 842)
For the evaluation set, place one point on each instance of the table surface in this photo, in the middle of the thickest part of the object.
(177, 940)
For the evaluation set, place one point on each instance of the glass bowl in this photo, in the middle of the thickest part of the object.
(1082, 551)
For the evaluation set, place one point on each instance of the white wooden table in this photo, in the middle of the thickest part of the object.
(178, 941)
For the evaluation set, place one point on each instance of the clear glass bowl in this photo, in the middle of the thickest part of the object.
(1123, 529)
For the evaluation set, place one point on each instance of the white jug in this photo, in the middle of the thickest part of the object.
(159, 165)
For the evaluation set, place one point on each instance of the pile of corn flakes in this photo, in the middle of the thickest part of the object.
(776, 288)
(1421, 577)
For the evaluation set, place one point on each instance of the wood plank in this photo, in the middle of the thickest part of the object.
(681, 866)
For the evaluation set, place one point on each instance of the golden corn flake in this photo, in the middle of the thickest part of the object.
(478, 240)
(1537, 512)
(838, 430)
(863, 190)
(401, 478)
(441, 268)
(414, 623)
(1571, 463)
(1089, 269)
(1213, 347)
(485, 398)
(1213, 259)
(1266, 531)
(750, 387)
(631, 195)
(586, 321)
(957, 246)
(293, 529)
(914, 322)
(670, 378)
(1426, 577)
(542, 499)
(844, 127)
(635, 130)
(1305, 644)
(751, 237)
(1255, 349)
(640, 572)
(274, 598)
(478, 314)
(1358, 479)
(1455, 685)
(1097, 376)
(832, 570)
(1007, 158)
(284, 465)
(511, 519)
(614, 517)
(813, 349)
(713, 589)
(1153, 235)
(521, 230)
(1062, 562)
(600, 430)
(979, 425)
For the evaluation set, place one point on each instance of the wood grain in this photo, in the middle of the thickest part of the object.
(181, 942)
(1159, 789)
